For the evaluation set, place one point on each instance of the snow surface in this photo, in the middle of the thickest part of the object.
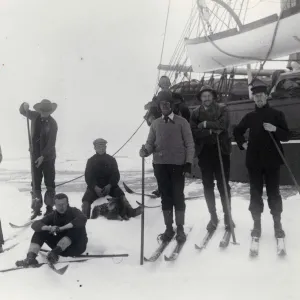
(211, 274)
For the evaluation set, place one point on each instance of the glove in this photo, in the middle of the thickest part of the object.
(106, 190)
(98, 191)
(201, 125)
(187, 168)
(217, 131)
(269, 127)
(26, 106)
(54, 229)
(144, 152)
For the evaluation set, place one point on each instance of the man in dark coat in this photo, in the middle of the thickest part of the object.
(102, 177)
(154, 110)
(207, 121)
(63, 230)
(262, 158)
(116, 209)
(171, 142)
(43, 140)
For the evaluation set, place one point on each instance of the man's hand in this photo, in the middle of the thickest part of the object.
(54, 229)
(187, 168)
(39, 161)
(201, 125)
(26, 106)
(245, 145)
(106, 190)
(269, 127)
(144, 152)
(98, 191)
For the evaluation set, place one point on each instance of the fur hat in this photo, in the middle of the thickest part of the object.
(207, 88)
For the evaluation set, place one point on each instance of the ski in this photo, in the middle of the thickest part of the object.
(281, 247)
(225, 240)
(21, 226)
(154, 206)
(254, 248)
(94, 255)
(205, 241)
(130, 191)
(176, 251)
(158, 252)
(9, 248)
(60, 271)
(40, 265)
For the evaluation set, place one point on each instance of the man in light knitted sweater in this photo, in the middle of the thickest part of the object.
(170, 140)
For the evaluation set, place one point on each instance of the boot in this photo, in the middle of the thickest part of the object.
(179, 217)
(256, 231)
(29, 261)
(137, 211)
(156, 193)
(49, 198)
(213, 223)
(49, 210)
(36, 203)
(86, 209)
(53, 255)
(279, 233)
(227, 222)
(1, 249)
(169, 232)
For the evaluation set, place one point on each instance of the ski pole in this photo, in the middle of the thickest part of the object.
(285, 162)
(226, 191)
(143, 212)
(1, 238)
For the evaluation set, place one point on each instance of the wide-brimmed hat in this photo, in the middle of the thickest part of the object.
(207, 88)
(45, 106)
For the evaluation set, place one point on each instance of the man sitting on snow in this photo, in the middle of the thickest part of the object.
(63, 231)
(116, 209)
(102, 176)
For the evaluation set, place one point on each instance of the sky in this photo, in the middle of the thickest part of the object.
(96, 59)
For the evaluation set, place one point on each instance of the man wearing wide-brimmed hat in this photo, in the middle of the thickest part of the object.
(208, 120)
(43, 139)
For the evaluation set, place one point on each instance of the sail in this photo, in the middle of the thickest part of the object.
(248, 45)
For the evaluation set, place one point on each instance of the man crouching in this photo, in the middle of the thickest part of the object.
(63, 230)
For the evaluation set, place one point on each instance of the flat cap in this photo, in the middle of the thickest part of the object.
(100, 141)
(259, 89)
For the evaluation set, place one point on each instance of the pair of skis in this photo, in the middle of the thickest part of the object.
(162, 247)
(254, 247)
(223, 243)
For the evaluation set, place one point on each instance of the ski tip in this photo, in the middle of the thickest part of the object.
(198, 247)
(62, 270)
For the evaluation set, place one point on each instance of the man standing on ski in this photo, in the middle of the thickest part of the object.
(63, 230)
(207, 121)
(102, 177)
(170, 141)
(262, 158)
(43, 140)
(154, 110)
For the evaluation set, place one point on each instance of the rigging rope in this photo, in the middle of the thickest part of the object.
(163, 44)
(112, 155)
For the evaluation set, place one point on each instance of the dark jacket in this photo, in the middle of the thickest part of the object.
(261, 149)
(216, 117)
(43, 135)
(180, 109)
(72, 215)
(101, 170)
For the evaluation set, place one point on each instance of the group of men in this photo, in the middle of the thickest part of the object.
(173, 140)
(63, 229)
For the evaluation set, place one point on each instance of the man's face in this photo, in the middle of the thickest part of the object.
(100, 148)
(45, 114)
(207, 98)
(61, 205)
(164, 83)
(165, 107)
(260, 99)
